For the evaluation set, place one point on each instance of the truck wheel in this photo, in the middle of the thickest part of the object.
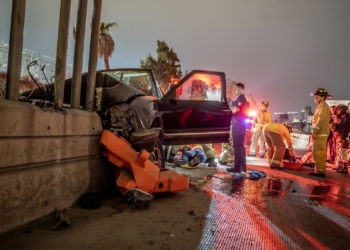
(157, 155)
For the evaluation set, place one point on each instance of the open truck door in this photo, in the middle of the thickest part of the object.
(196, 110)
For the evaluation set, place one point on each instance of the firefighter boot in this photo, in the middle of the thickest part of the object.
(193, 162)
(344, 169)
(211, 163)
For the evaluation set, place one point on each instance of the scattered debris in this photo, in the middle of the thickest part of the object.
(150, 243)
(137, 198)
(90, 200)
(62, 217)
(116, 211)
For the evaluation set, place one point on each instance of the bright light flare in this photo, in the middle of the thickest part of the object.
(252, 113)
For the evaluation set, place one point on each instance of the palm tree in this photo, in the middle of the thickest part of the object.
(106, 42)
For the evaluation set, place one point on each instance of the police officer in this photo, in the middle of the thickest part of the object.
(320, 132)
(262, 117)
(240, 108)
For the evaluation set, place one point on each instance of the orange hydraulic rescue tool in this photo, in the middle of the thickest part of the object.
(134, 170)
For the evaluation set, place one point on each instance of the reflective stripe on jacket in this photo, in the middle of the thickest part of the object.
(320, 121)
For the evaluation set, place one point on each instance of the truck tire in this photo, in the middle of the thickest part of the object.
(157, 155)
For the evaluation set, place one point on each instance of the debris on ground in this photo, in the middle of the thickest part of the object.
(137, 198)
(90, 200)
(62, 218)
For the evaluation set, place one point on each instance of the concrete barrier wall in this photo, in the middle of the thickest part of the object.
(48, 159)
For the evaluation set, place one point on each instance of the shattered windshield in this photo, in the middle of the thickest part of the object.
(141, 80)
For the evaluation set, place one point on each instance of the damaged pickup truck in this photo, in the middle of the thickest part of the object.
(132, 105)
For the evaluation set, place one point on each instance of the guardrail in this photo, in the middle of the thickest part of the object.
(301, 140)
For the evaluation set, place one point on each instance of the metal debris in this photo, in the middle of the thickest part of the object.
(62, 217)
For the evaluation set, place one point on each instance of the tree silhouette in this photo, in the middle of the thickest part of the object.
(165, 66)
(106, 43)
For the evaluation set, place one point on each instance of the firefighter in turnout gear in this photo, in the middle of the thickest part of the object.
(275, 134)
(341, 133)
(320, 132)
(198, 90)
(262, 117)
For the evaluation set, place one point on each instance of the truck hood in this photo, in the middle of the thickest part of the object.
(108, 92)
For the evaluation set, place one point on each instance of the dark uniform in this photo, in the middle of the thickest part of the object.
(238, 129)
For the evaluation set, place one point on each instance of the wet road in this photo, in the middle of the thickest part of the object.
(285, 210)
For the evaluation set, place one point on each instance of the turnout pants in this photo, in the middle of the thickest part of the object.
(319, 153)
(275, 148)
(342, 148)
(256, 136)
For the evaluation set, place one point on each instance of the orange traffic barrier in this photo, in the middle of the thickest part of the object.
(137, 171)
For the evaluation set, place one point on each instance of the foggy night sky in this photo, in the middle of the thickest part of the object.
(280, 49)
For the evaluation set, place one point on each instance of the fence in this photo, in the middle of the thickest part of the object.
(45, 64)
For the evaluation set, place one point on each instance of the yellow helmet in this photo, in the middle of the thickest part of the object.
(264, 102)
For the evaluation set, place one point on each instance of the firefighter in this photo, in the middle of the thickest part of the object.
(320, 132)
(275, 134)
(341, 133)
(210, 154)
(262, 117)
(227, 155)
(198, 90)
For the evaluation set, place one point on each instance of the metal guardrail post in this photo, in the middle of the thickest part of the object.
(15, 49)
(78, 54)
(95, 31)
(61, 55)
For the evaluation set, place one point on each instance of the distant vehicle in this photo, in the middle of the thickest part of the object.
(133, 106)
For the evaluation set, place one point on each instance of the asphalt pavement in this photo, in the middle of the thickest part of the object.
(287, 209)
